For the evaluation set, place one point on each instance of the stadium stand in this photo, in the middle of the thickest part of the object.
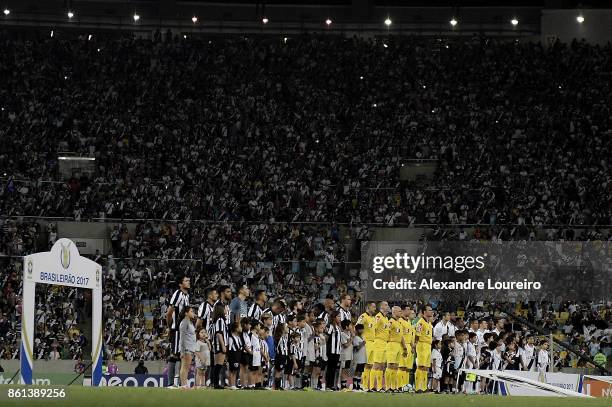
(242, 160)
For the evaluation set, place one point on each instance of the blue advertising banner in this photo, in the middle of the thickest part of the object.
(134, 380)
(139, 380)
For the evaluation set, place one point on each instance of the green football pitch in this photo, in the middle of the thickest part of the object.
(130, 396)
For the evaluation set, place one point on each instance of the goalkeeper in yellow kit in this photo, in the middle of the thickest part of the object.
(368, 321)
(407, 362)
(381, 336)
(396, 350)
(424, 336)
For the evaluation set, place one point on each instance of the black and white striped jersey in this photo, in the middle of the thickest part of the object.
(296, 350)
(246, 340)
(324, 316)
(344, 314)
(334, 340)
(235, 343)
(178, 300)
(255, 311)
(318, 345)
(220, 327)
(205, 314)
(227, 311)
(282, 347)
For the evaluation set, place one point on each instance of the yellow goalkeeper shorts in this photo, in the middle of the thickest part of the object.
(394, 352)
(423, 351)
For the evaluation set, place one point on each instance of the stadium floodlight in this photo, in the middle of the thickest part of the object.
(388, 22)
(7, 12)
(514, 21)
(70, 14)
(328, 21)
(453, 22)
(136, 17)
(194, 19)
(580, 19)
(265, 20)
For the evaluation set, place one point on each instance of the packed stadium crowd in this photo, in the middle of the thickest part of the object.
(308, 129)
(244, 133)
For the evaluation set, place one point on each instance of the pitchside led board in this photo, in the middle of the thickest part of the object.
(63, 265)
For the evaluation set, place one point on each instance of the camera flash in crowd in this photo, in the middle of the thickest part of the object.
(328, 21)
(51, 33)
(514, 21)
(136, 17)
(580, 19)
(385, 45)
(194, 19)
(7, 12)
(70, 14)
(265, 20)
(89, 37)
(453, 22)
(388, 22)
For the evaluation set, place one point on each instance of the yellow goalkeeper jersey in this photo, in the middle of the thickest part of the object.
(424, 331)
(368, 322)
(381, 327)
(408, 332)
(395, 330)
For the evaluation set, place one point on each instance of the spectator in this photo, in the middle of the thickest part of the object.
(141, 368)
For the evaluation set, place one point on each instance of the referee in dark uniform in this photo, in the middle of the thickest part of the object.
(178, 300)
